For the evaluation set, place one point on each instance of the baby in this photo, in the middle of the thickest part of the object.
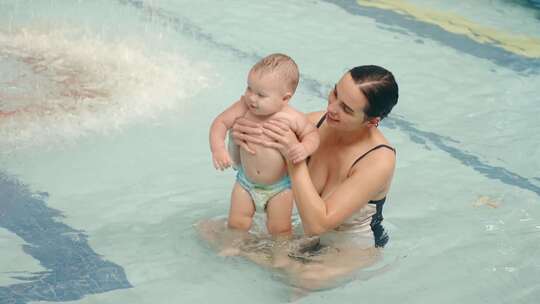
(262, 183)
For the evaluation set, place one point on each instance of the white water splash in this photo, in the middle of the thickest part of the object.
(62, 85)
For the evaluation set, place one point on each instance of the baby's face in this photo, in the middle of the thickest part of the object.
(265, 94)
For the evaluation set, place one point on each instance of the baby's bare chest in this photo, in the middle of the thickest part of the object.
(281, 116)
(285, 116)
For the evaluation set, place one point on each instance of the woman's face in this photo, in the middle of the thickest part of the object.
(346, 104)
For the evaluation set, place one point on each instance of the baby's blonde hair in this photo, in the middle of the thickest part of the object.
(282, 64)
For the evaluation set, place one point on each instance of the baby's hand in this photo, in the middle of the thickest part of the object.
(297, 153)
(222, 159)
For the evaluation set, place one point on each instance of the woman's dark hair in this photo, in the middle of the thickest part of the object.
(379, 87)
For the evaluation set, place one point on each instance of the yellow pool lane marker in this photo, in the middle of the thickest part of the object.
(515, 43)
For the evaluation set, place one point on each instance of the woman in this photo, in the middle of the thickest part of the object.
(340, 191)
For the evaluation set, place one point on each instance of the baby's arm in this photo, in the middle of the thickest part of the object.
(218, 131)
(307, 134)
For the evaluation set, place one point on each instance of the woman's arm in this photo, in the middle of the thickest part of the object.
(307, 134)
(368, 179)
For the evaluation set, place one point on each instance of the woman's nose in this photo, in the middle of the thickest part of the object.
(332, 108)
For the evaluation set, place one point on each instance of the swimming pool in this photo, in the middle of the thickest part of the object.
(106, 167)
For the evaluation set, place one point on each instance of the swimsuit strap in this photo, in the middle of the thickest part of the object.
(378, 202)
(318, 125)
(321, 120)
(373, 149)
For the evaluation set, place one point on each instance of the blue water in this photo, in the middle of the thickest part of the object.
(106, 165)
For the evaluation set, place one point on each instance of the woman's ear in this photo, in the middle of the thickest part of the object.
(374, 122)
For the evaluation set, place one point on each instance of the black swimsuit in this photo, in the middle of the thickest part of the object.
(380, 236)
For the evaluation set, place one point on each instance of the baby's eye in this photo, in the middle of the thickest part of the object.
(260, 95)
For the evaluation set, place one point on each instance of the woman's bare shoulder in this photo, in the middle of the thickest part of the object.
(379, 161)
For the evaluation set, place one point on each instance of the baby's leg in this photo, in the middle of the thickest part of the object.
(240, 217)
(278, 212)
(242, 209)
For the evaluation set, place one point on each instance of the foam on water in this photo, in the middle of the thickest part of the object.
(63, 84)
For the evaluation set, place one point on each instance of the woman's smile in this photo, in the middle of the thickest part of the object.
(332, 119)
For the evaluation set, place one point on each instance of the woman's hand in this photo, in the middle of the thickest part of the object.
(245, 132)
(297, 153)
(284, 140)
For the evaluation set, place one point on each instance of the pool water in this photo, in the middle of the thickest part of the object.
(105, 164)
